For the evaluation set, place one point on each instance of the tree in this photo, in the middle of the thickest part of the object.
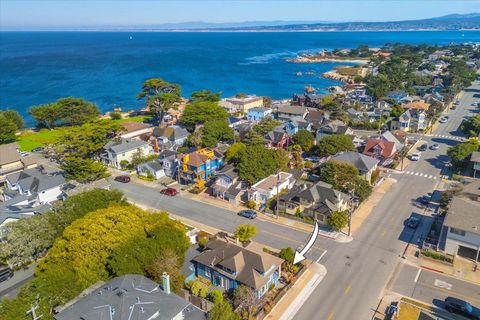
(205, 96)
(115, 115)
(8, 128)
(265, 125)
(267, 102)
(333, 144)
(287, 254)
(471, 126)
(403, 154)
(159, 96)
(257, 162)
(338, 220)
(244, 298)
(234, 151)
(216, 296)
(254, 139)
(200, 112)
(29, 239)
(215, 131)
(460, 152)
(199, 287)
(304, 139)
(397, 111)
(245, 231)
(65, 111)
(15, 117)
(222, 311)
(345, 177)
(167, 261)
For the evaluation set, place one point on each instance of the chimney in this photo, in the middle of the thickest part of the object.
(166, 283)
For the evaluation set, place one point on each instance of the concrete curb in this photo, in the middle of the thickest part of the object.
(432, 269)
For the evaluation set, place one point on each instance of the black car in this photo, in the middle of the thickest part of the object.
(123, 179)
(413, 222)
(458, 306)
(5, 273)
(423, 147)
(250, 214)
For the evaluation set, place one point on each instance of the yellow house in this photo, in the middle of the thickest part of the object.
(242, 105)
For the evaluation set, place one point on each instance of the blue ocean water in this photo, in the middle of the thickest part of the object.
(109, 68)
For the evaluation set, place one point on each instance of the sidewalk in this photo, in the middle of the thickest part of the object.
(291, 302)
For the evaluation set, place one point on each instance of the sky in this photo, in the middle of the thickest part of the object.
(42, 13)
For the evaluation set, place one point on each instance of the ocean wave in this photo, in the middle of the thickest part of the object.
(266, 58)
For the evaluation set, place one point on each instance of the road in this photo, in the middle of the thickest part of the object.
(9, 288)
(432, 287)
(358, 271)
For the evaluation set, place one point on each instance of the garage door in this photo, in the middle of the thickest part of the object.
(467, 252)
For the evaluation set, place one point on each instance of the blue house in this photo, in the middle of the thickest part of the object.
(258, 113)
(228, 264)
(199, 166)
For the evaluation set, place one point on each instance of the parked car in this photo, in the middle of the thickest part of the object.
(434, 146)
(461, 307)
(5, 273)
(38, 149)
(169, 192)
(123, 179)
(413, 222)
(425, 200)
(443, 120)
(415, 156)
(24, 153)
(423, 147)
(250, 214)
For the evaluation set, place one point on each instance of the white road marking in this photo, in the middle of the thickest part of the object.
(418, 275)
(321, 256)
(442, 284)
(416, 173)
(434, 178)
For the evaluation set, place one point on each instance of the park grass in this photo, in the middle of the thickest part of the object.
(29, 139)
(348, 71)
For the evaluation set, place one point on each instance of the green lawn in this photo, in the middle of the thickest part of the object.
(29, 140)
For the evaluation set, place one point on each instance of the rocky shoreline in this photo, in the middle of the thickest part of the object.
(322, 58)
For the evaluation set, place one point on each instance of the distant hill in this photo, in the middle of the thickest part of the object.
(449, 22)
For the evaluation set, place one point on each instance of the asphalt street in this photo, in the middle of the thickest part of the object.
(432, 287)
(358, 271)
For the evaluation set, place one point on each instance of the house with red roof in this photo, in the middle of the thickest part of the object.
(380, 149)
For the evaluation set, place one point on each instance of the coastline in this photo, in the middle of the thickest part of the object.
(315, 59)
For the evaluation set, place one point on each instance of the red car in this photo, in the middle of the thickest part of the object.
(169, 192)
(123, 179)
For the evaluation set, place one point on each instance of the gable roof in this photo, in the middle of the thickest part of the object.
(129, 297)
(360, 161)
(464, 214)
(387, 148)
(292, 110)
(171, 133)
(229, 171)
(37, 179)
(9, 153)
(124, 145)
(389, 136)
(135, 126)
(248, 264)
(316, 193)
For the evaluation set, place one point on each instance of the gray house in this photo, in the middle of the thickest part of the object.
(170, 138)
(228, 185)
(168, 159)
(124, 150)
(129, 297)
(366, 165)
(152, 168)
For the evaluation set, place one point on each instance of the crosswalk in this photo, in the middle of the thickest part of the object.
(446, 136)
(421, 174)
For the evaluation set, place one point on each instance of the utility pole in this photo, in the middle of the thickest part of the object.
(278, 195)
(32, 312)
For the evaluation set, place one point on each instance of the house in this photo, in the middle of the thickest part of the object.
(39, 185)
(136, 130)
(390, 137)
(380, 149)
(234, 122)
(461, 227)
(432, 98)
(316, 118)
(277, 138)
(296, 124)
(259, 113)
(270, 186)
(286, 112)
(129, 297)
(243, 129)
(199, 166)
(475, 159)
(171, 137)
(168, 159)
(153, 169)
(365, 164)
(241, 104)
(422, 90)
(12, 210)
(228, 185)
(228, 264)
(397, 96)
(11, 161)
(116, 152)
(317, 201)
(333, 127)
(417, 105)
(410, 120)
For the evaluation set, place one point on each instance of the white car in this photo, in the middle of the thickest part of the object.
(415, 156)
(443, 120)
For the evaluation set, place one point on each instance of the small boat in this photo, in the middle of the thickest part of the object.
(298, 74)
(131, 37)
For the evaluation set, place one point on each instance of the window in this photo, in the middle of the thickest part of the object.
(207, 272)
(457, 231)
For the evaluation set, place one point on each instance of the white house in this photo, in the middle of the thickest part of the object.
(124, 149)
(270, 186)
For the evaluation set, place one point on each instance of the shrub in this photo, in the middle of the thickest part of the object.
(436, 256)
(200, 287)
(215, 296)
(287, 254)
(124, 164)
(250, 204)
(115, 115)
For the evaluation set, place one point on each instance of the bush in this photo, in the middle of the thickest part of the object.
(215, 296)
(250, 204)
(124, 164)
(202, 239)
(436, 256)
(338, 220)
(146, 178)
(115, 115)
(200, 287)
(287, 254)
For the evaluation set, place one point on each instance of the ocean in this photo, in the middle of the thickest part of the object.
(108, 68)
